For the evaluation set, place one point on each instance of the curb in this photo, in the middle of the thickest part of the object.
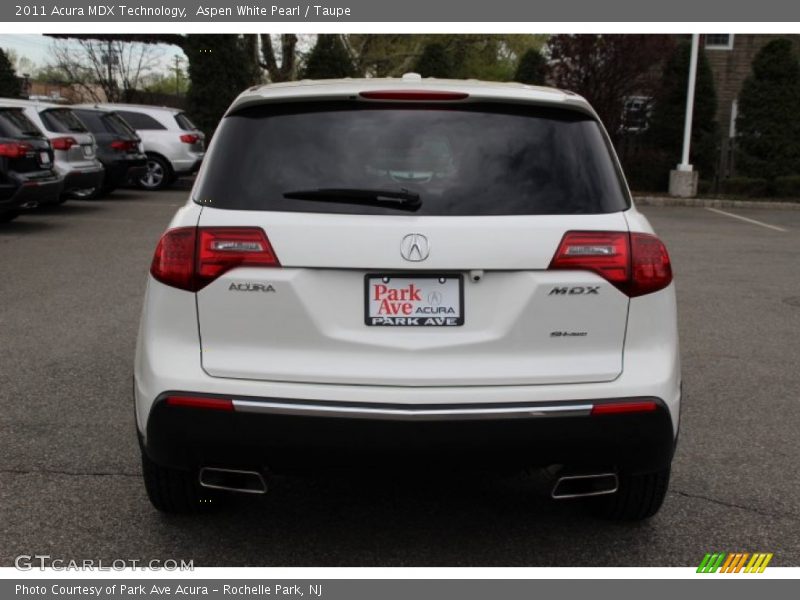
(713, 203)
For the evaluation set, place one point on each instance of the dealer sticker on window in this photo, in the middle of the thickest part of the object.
(416, 301)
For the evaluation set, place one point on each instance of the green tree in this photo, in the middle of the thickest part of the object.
(768, 129)
(664, 136)
(9, 83)
(220, 68)
(531, 68)
(329, 59)
(434, 61)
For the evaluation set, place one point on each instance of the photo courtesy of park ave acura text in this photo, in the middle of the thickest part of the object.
(383, 299)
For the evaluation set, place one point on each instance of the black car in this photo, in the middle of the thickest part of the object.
(27, 178)
(118, 148)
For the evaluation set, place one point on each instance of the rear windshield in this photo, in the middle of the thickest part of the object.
(184, 122)
(62, 120)
(116, 124)
(466, 160)
(105, 122)
(14, 124)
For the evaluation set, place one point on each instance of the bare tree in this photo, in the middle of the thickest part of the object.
(286, 70)
(608, 68)
(109, 70)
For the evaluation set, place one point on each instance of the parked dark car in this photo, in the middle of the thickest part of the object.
(27, 178)
(118, 148)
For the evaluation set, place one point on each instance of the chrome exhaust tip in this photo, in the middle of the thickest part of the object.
(30, 204)
(232, 480)
(585, 485)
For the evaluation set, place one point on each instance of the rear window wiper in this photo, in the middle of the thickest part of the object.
(402, 199)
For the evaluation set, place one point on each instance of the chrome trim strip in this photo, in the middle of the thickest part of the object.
(212, 486)
(610, 490)
(411, 414)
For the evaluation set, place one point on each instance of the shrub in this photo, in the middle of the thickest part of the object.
(787, 186)
(749, 187)
(768, 129)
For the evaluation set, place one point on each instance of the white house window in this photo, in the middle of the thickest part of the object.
(636, 111)
(719, 41)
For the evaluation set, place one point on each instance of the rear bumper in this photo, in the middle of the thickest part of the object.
(121, 171)
(187, 166)
(280, 434)
(83, 179)
(39, 191)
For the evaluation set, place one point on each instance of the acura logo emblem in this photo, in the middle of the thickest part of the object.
(414, 247)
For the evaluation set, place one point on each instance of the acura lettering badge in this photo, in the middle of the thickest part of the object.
(414, 247)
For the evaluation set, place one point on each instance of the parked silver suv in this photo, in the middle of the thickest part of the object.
(74, 149)
(174, 145)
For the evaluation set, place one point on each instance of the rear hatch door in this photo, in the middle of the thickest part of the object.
(455, 291)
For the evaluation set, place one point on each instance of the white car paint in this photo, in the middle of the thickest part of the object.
(305, 339)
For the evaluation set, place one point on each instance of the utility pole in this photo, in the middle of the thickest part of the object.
(683, 179)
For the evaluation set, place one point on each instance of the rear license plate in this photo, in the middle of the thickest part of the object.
(88, 151)
(414, 301)
(44, 158)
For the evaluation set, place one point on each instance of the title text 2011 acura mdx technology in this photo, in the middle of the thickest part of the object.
(415, 271)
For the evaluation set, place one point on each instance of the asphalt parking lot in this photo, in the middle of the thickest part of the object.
(70, 295)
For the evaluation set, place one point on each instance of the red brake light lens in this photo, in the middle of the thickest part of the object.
(190, 138)
(15, 150)
(220, 249)
(618, 408)
(189, 258)
(652, 270)
(124, 145)
(606, 253)
(201, 402)
(63, 143)
(173, 261)
(636, 264)
(414, 95)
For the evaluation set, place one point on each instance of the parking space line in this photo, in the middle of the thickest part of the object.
(748, 220)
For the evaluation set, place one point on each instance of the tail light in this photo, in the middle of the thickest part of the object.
(190, 138)
(635, 263)
(15, 150)
(414, 95)
(63, 143)
(189, 258)
(125, 145)
(619, 408)
(202, 402)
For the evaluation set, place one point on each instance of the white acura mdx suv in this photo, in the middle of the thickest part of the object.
(409, 271)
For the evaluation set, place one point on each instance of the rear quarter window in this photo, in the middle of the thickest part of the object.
(184, 122)
(62, 120)
(139, 120)
(91, 119)
(14, 124)
(469, 159)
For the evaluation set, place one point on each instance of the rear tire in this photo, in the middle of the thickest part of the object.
(639, 497)
(158, 175)
(176, 492)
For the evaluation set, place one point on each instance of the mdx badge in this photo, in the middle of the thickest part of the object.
(575, 291)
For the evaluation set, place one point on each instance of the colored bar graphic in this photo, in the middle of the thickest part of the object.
(703, 563)
(726, 566)
(741, 562)
(734, 562)
(718, 563)
(765, 563)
